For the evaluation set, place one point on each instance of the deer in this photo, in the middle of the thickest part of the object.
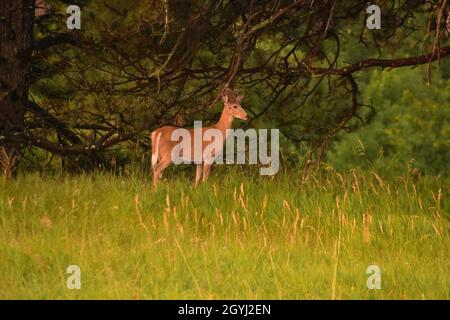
(163, 145)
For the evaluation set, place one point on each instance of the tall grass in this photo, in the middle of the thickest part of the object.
(8, 162)
(238, 236)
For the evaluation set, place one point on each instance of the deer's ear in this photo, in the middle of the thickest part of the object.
(240, 98)
(224, 98)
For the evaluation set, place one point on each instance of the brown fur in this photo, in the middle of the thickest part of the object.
(162, 145)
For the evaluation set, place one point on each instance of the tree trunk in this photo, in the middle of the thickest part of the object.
(16, 33)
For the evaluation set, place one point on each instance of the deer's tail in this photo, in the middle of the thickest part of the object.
(155, 147)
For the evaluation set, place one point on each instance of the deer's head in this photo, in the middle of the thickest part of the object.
(232, 105)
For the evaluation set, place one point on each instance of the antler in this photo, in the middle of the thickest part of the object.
(231, 95)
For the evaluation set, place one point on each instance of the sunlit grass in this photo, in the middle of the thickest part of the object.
(236, 237)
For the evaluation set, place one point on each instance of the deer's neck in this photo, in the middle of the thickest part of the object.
(225, 122)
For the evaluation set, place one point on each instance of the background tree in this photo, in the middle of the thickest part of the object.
(16, 28)
(90, 96)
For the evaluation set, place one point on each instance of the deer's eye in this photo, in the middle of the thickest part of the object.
(234, 107)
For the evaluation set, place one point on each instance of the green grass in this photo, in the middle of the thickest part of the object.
(236, 237)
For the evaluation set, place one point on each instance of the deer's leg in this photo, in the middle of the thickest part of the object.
(198, 175)
(154, 169)
(159, 168)
(206, 169)
(155, 177)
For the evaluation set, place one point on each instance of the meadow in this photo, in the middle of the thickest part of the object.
(238, 236)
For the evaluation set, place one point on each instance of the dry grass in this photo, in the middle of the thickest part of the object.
(8, 161)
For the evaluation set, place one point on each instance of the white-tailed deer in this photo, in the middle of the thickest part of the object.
(163, 145)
